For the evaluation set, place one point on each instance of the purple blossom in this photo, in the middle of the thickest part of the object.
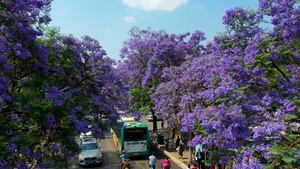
(45, 86)
(50, 121)
(73, 118)
(69, 40)
(3, 163)
(41, 165)
(81, 126)
(37, 155)
(9, 132)
(53, 93)
(15, 138)
(54, 148)
(97, 132)
(6, 97)
(3, 58)
(14, 117)
(290, 106)
(58, 71)
(22, 165)
(11, 146)
(57, 46)
(59, 103)
(6, 67)
(27, 107)
(25, 151)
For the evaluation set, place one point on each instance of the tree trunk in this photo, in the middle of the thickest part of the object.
(154, 122)
(190, 151)
(173, 139)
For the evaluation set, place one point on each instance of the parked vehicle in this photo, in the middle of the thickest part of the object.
(159, 116)
(294, 127)
(90, 152)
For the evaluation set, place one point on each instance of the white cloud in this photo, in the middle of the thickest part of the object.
(148, 5)
(129, 19)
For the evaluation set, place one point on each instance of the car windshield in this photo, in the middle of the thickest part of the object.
(90, 146)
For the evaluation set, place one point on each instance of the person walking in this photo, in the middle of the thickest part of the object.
(200, 158)
(167, 141)
(181, 149)
(152, 160)
(166, 164)
(195, 166)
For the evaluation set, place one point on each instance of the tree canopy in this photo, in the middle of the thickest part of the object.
(49, 83)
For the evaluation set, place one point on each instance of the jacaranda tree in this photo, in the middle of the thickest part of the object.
(253, 89)
(179, 95)
(49, 82)
(146, 54)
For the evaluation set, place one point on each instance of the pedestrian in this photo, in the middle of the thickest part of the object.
(200, 158)
(152, 160)
(177, 142)
(181, 149)
(195, 166)
(189, 166)
(167, 141)
(166, 164)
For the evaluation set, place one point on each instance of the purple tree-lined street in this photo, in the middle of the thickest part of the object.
(236, 95)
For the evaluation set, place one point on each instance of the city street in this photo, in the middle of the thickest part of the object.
(111, 159)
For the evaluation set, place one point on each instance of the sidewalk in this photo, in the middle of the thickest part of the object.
(171, 153)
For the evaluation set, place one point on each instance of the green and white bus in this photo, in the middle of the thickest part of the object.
(133, 137)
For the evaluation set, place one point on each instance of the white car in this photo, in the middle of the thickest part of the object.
(90, 152)
(159, 116)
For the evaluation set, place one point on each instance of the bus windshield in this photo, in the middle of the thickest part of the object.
(135, 134)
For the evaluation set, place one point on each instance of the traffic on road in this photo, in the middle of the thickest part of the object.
(106, 153)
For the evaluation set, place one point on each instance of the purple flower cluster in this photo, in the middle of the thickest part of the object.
(233, 94)
(54, 148)
(50, 121)
(9, 132)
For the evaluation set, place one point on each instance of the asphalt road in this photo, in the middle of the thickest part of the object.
(111, 158)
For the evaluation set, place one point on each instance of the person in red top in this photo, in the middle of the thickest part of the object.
(166, 164)
(195, 166)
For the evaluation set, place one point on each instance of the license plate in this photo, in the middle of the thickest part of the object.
(135, 154)
(90, 161)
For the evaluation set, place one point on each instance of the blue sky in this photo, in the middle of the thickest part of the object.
(109, 21)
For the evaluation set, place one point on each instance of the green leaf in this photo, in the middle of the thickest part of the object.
(268, 167)
(288, 159)
(275, 149)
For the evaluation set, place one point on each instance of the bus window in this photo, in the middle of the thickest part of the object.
(135, 134)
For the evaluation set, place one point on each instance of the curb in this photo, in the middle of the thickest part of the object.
(181, 164)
